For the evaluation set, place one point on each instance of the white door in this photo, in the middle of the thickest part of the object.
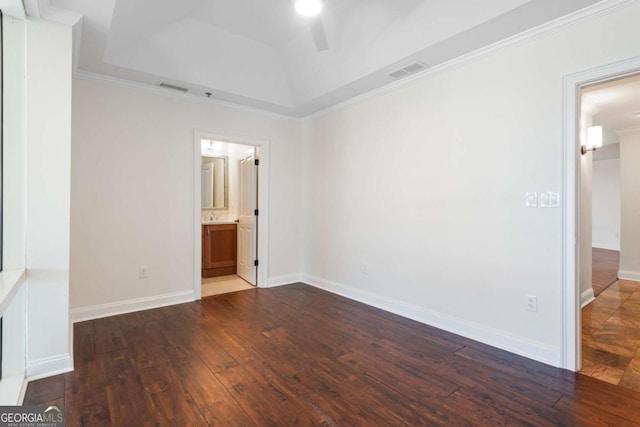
(248, 219)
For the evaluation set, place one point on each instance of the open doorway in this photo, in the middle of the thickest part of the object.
(609, 237)
(229, 239)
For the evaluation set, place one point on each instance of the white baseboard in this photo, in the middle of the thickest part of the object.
(49, 366)
(23, 391)
(12, 389)
(121, 307)
(284, 280)
(587, 297)
(629, 275)
(515, 344)
(611, 247)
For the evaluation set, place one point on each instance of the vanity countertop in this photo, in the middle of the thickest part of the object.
(221, 222)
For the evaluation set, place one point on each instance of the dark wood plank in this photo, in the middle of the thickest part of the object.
(298, 355)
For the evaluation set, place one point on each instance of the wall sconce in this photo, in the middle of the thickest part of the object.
(594, 139)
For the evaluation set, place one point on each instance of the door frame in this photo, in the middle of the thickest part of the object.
(570, 339)
(263, 205)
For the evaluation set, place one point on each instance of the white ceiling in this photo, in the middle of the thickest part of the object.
(260, 53)
(615, 104)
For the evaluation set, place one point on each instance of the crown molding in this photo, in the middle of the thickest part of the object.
(167, 93)
(578, 17)
(629, 131)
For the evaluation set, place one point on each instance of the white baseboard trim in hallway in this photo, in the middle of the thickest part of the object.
(587, 297)
(629, 275)
(515, 344)
(128, 306)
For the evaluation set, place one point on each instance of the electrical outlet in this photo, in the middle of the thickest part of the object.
(532, 303)
(143, 271)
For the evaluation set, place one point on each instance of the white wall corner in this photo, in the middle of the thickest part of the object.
(587, 297)
(286, 279)
(629, 275)
(503, 340)
(49, 366)
(128, 306)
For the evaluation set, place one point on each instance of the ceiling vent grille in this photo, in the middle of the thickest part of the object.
(173, 87)
(407, 70)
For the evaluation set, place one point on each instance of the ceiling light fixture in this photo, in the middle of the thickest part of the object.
(308, 7)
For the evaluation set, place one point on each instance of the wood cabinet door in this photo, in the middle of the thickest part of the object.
(219, 246)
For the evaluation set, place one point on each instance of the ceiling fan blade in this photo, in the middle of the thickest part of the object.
(319, 35)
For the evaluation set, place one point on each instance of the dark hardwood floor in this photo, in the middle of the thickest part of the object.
(604, 269)
(296, 355)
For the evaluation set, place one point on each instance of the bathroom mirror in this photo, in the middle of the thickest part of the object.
(215, 185)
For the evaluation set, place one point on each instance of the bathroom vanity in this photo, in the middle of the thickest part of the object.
(219, 243)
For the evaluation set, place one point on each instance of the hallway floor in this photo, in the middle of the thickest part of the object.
(611, 335)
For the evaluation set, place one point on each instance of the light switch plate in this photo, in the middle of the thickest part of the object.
(531, 199)
(550, 200)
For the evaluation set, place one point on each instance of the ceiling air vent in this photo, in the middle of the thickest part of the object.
(407, 70)
(173, 87)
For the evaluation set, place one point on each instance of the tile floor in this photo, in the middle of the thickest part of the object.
(223, 285)
(611, 335)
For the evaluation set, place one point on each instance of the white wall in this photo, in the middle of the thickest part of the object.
(629, 205)
(606, 204)
(444, 232)
(14, 182)
(48, 131)
(132, 190)
(12, 288)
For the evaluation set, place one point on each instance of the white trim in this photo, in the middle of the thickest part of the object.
(570, 340)
(286, 279)
(628, 131)
(263, 205)
(634, 276)
(12, 389)
(167, 93)
(587, 297)
(588, 13)
(49, 366)
(23, 391)
(121, 307)
(515, 344)
(606, 246)
(10, 282)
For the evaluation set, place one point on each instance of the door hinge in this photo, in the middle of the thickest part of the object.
(256, 212)
(256, 162)
(255, 263)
